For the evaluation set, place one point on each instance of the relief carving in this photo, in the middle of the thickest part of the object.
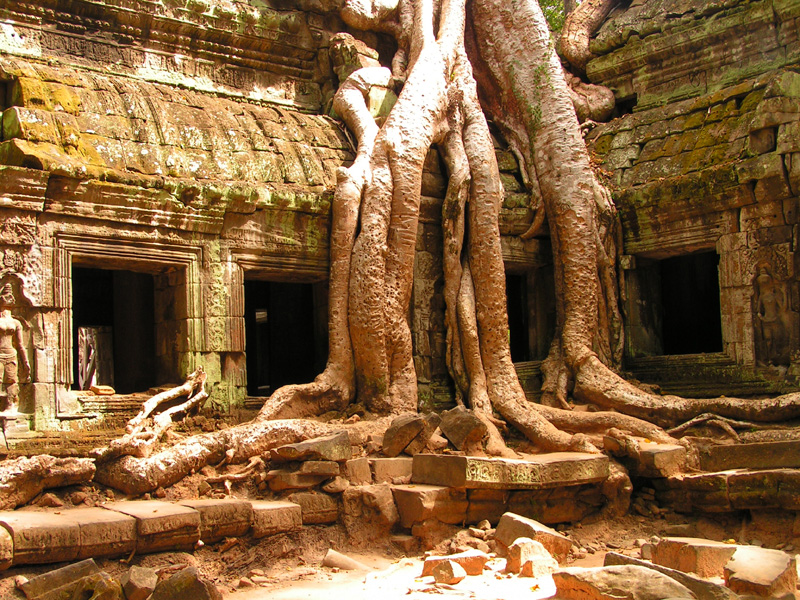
(771, 318)
(14, 365)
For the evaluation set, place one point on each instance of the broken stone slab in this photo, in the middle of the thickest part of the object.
(706, 558)
(462, 427)
(160, 525)
(658, 460)
(186, 584)
(138, 583)
(702, 588)
(529, 558)
(317, 509)
(400, 432)
(472, 562)
(542, 471)
(423, 438)
(448, 572)
(358, 471)
(41, 537)
(513, 526)
(337, 560)
(222, 517)
(625, 581)
(761, 572)
(762, 455)
(56, 579)
(391, 470)
(274, 516)
(418, 503)
(334, 447)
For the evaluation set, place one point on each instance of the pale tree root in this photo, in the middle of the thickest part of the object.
(22, 479)
(141, 436)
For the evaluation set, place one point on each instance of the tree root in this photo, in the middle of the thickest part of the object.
(22, 479)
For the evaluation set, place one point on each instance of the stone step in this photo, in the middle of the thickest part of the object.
(536, 472)
(763, 455)
(143, 526)
(730, 490)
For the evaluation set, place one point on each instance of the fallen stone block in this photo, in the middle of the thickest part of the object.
(418, 503)
(432, 532)
(422, 439)
(400, 432)
(761, 572)
(186, 584)
(706, 558)
(369, 512)
(330, 447)
(272, 517)
(702, 588)
(448, 572)
(462, 427)
(138, 583)
(161, 525)
(513, 526)
(57, 579)
(337, 560)
(659, 460)
(391, 470)
(358, 471)
(221, 518)
(626, 581)
(41, 537)
(472, 562)
(529, 558)
(538, 472)
(316, 508)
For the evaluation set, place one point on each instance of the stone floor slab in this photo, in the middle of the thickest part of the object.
(222, 517)
(161, 525)
(536, 472)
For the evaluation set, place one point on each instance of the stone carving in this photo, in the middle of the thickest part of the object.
(19, 231)
(771, 318)
(12, 352)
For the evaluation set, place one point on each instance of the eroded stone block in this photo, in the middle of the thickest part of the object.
(513, 526)
(391, 470)
(41, 537)
(418, 503)
(103, 532)
(221, 518)
(316, 508)
(761, 572)
(161, 525)
(271, 517)
(707, 558)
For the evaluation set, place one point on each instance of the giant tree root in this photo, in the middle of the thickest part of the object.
(22, 479)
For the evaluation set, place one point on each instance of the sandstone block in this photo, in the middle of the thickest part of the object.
(400, 432)
(325, 468)
(271, 517)
(221, 518)
(472, 562)
(161, 525)
(281, 479)
(627, 581)
(369, 512)
(544, 471)
(512, 527)
(487, 505)
(660, 460)
(41, 537)
(529, 558)
(421, 441)
(432, 532)
(316, 508)
(462, 427)
(6, 549)
(337, 560)
(761, 572)
(765, 455)
(418, 503)
(330, 447)
(103, 532)
(37, 586)
(186, 585)
(391, 470)
(358, 471)
(138, 583)
(707, 558)
(448, 572)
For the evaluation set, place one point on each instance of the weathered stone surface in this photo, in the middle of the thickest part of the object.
(186, 584)
(326, 468)
(472, 561)
(316, 508)
(512, 527)
(557, 505)
(330, 447)
(761, 572)
(400, 432)
(391, 470)
(418, 503)
(337, 560)
(448, 572)
(281, 479)
(487, 505)
(6, 548)
(336, 485)
(62, 578)
(702, 588)
(221, 518)
(41, 537)
(138, 583)
(358, 471)
(273, 516)
(103, 532)
(542, 471)
(462, 427)
(627, 581)
(659, 460)
(161, 525)
(706, 558)
(369, 512)
(766, 455)
(422, 439)
(529, 558)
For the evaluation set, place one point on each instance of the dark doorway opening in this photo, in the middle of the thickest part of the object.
(120, 306)
(518, 311)
(280, 340)
(690, 304)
